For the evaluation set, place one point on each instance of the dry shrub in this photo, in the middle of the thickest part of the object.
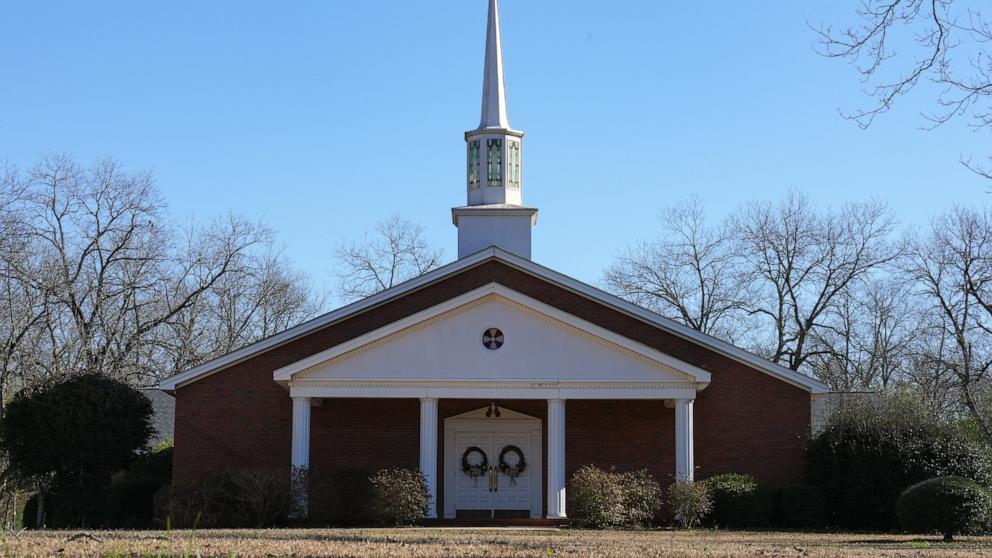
(248, 498)
(257, 497)
(610, 500)
(690, 501)
(399, 496)
(187, 505)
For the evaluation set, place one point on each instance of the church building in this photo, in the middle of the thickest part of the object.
(493, 366)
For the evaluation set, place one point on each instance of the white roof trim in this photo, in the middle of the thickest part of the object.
(667, 362)
(671, 326)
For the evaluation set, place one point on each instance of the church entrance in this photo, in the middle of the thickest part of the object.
(492, 466)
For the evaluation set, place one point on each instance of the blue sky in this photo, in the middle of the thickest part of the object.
(323, 118)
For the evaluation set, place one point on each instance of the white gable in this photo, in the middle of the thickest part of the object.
(541, 344)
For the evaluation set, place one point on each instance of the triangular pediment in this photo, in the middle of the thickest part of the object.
(538, 344)
(484, 413)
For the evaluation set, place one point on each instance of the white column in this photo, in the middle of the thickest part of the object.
(684, 453)
(556, 459)
(301, 454)
(428, 451)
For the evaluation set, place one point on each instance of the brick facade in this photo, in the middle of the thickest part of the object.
(745, 421)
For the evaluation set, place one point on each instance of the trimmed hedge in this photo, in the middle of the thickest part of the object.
(75, 449)
(871, 452)
(946, 505)
(740, 501)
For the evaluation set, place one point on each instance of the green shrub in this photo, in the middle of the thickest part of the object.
(132, 495)
(341, 498)
(399, 496)
(690, 502)
(609, 500)
(946, 505)
(872, 451)
(132, 503)
(802, 505)
(739, 501)
(29, 519)
(74, 448)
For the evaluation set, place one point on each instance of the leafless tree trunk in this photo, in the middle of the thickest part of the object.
(396, 252)
(689, 273)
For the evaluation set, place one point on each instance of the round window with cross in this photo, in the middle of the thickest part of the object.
(492, 339)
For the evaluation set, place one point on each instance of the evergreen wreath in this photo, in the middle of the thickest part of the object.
(512, 471)
(477, 470)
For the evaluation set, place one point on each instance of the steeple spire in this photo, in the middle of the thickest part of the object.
(494, 113)
(495, 214)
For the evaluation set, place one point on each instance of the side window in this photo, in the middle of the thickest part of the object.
(515, 165)
(474, 165)
(494, 160)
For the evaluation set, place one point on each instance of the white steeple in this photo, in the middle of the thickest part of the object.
(495, 215)
(494, 113)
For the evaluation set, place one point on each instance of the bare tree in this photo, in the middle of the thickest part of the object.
(396, 252)
(688, 273)
(801, 262)
(112, 268)
(951, 267)
(869, 337)
(99, 278)
(900, 43)
(239, 309)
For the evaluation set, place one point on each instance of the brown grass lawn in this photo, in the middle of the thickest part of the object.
(480, 542)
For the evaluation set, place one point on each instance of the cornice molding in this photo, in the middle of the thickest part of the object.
(489, 384)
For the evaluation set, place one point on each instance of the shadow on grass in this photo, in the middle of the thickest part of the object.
(924, 543)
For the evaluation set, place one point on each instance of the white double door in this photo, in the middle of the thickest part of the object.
(494, 491)
(493, 494)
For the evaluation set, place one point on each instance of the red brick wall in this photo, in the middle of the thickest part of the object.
(234, 419)
(365, 433)
(746, 421)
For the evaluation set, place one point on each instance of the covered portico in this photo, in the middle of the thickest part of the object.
(494, 344)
